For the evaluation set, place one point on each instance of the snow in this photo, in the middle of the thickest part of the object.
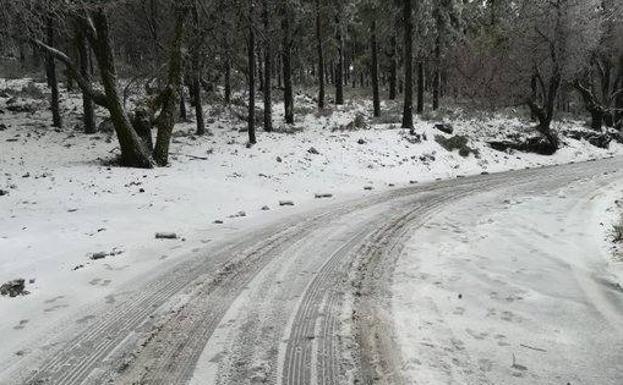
(64, 203)
(515, 293)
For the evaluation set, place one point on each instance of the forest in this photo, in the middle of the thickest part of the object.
(148, 62)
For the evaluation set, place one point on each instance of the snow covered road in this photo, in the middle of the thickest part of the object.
(490, 279)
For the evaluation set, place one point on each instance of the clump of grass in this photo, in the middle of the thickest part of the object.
(457, 142)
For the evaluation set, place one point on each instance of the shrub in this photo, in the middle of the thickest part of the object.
(457, 142)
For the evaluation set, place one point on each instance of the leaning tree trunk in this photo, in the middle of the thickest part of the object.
(593, 106)
(407, 116)
(287, 70)
(88, 113)
(252, 69)
(321, 73)
(134, 152)
(268, 67)
(57, 120)
(339, 73)
(375, 72)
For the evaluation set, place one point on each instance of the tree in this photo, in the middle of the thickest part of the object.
(407, 116)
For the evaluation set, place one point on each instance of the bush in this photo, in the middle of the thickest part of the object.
(457, 142)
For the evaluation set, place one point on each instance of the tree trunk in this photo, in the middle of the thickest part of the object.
(170, 97)
(321, 73)
(437, 75)
(227, 81)
(287, 70)
(592, 105)
(339, 73)
(57, 120)
(88, 113)
(134, 153)
(375, 72)
(420, 87)
(393, 68)
(268, 66)
(407, 116)
(252, 69)
(183, 112)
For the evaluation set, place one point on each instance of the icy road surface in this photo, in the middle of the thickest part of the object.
(494, 279)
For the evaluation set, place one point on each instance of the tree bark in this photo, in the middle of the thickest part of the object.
(57, 120)
(375, 72)
(268, 66)
(393, 68)
(437, 75)
(88, 113)
(170, 97)
(227, 81)
(252, 69)
(339, 72)
(407, 116)
(420, 87)
(321, 72)
(287, 70)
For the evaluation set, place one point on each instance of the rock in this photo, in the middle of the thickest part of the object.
(279, 160)
(413, 182)
(361, 141)
(286, 203)
(166, 236)
(239, 214)
(31, 281)
(324, 195)
(265, 208)
(445, 127)
(218, 222)
(98, 255)
(368, 188)
(484, 173)
(78, 267)
(3, 192)
(313, 151)
(3, 127)
(14, 288)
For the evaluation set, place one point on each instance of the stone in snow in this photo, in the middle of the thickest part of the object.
(324, 195)
(3, 192)
(368, 188)
(286, 203)
(14, 288)
(445, 128)
(218, 222)
(166, 236)
(98, 255)
(313, 151)
(265, 208)
(361, 141)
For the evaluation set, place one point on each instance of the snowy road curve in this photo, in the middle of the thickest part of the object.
(361, 291)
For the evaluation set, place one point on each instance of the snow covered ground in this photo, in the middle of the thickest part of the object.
(519, 292)
(64, 203)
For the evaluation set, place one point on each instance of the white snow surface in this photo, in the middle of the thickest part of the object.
(526, 291)
(64, 203)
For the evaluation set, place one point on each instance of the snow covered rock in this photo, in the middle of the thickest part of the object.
(286, 203)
